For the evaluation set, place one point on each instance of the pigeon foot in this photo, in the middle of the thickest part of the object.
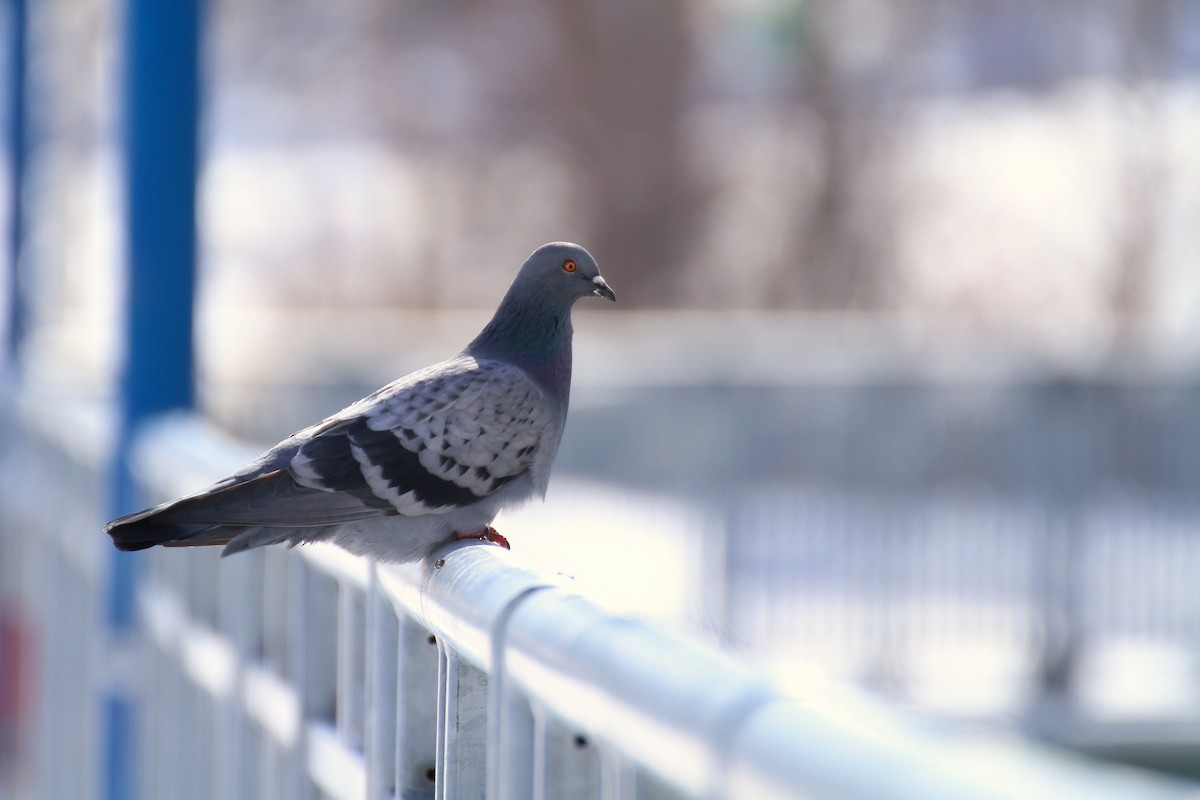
(489, 534)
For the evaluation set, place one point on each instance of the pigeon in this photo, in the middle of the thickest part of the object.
(429, 458)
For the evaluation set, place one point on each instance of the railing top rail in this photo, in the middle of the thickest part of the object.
(705, 723)
(700, 720)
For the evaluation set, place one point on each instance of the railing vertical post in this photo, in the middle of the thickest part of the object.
(417, 708)
(14, 313)
(462, 729)
(161, 43)
(383, 643)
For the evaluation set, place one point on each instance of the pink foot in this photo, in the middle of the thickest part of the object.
(489, 535)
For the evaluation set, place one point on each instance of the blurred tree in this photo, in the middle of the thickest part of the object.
(642, 129)
(624, 89)
(1145, 33)
(842, 237)
(455, 89)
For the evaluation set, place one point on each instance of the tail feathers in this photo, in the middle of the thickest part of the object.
(142, 535)
(147, 529)
(265, 510)
(250, 538)
(235, 538)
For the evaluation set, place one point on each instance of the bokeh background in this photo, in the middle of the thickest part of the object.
(903, 382)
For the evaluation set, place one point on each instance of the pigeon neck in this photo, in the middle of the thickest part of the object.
(534, 335)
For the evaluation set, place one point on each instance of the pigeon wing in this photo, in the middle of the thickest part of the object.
(442, 440)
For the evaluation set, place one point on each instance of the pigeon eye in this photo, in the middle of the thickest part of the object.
(569, 266)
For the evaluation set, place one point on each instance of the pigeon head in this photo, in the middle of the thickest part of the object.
(563, 272)
(532, 326)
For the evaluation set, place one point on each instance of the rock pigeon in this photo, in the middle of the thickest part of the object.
(430, 457)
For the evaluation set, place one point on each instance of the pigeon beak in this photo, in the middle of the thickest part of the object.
(602, 289)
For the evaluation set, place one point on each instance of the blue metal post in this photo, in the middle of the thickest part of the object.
(14, 316)
(161, 122)
(161, 117)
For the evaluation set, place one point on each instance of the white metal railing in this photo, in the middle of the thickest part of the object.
(311, 673)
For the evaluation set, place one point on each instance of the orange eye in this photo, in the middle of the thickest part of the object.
(568, 265)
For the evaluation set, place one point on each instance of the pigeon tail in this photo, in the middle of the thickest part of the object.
(240, 511)
(144, 530)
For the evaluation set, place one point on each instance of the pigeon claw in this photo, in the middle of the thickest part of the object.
(489, 534)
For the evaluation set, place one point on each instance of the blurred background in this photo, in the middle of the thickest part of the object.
(904, 381)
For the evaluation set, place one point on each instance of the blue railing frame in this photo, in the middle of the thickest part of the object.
(160, 141)
(161, 112)
(17, 153)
